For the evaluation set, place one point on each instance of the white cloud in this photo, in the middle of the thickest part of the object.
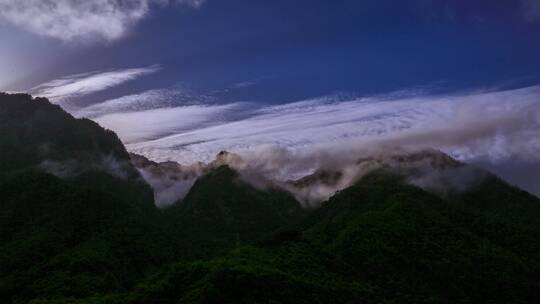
(244, 84)
(483, 125)
(83, 84)
(71, 20)
(145, 125)
(152, 99)
(491, 128)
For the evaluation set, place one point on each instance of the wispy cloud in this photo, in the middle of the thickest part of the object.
(147, 100)
(72, 20)
(140, 126)
(485, 127)
(244, 84)
(82, 84)
(492, 125)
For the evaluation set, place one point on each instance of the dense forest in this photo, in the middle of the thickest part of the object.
(78, 224)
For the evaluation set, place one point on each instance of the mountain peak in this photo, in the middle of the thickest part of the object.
(38, 134)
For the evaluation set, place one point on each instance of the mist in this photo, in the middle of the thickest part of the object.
(492, 129)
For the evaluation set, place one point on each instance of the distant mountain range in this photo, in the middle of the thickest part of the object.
(79, 224)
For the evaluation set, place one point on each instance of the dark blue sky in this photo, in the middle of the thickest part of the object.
(305, 48)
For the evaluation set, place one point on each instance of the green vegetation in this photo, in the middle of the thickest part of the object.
(221, 212)
(95, 236)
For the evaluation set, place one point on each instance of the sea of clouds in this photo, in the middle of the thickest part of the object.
(495, 128)
(487, 125)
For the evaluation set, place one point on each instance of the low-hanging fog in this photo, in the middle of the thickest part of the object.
(497, 130)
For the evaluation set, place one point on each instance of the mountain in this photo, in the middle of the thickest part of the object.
(170, 181)
(427, 168)
(221, 211)
(79, 224)
(77, 218)
(416, 244)
(35, 131)
(37, 135)
(380, 241)
(214, 207)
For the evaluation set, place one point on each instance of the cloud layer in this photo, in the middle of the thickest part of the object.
(485, 127)
(72, 20)
(82, 84)
(494, 125)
